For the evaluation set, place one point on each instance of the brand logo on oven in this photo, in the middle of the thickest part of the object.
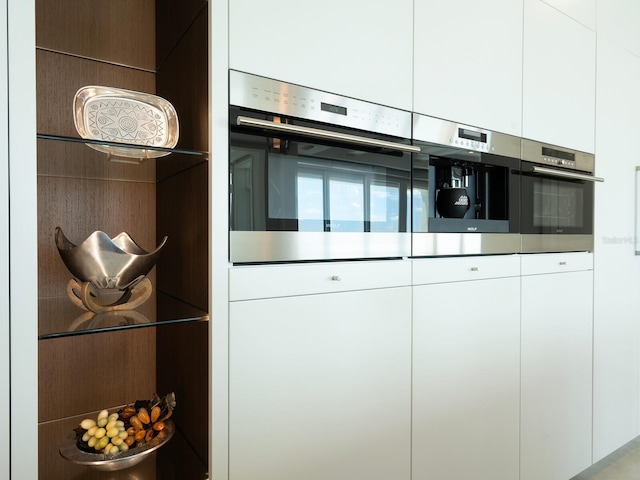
(472, 229)
(463, 200)
(560, 230)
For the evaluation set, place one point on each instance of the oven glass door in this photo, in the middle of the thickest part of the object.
(291, 184)
(556, 206)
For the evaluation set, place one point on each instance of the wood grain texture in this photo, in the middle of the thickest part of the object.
(182, 79)
(185, 372)
(95, 371)
(172, 21)
(182, 214)
(80, 207)
(119, 31)
(60, 76)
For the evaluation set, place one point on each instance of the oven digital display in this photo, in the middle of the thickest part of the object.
(552, 152)
(472, 135)
(327, 107)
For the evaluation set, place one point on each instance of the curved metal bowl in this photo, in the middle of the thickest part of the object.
(104, 262)
(124, 116)
(109, 463)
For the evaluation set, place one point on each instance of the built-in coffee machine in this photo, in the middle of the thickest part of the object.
(465, 181)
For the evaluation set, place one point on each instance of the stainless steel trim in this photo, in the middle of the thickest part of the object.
(269, 95)
(566, 174)
(442, 244)
(446, 133)
(257, 247)
(532, 152)
(543, 243)
(324, 134)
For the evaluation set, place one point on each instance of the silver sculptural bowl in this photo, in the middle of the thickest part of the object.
(107, 263)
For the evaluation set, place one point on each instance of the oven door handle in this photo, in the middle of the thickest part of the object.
(324, 134)
(563, 174)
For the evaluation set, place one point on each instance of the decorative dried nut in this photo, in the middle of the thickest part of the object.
(143, 415)
(140, 435)
(129, 440)
(127, 412)
(131, 431)
(155, 414)
(149, 436)
(135, 422)
(158, 426)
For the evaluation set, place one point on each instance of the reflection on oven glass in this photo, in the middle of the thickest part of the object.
(557, 204)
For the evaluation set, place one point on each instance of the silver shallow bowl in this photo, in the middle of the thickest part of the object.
(109, 463)
(105, 262)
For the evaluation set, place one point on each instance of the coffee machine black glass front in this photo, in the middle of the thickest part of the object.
(465, 196)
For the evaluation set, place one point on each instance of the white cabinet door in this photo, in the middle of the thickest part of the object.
(356, 49)
(584, 11)
(466, 380)
(558, 78)
(5, 375)
(555, 441)
(616, 392)
(468, 62)
(320, 386)
(618, 23)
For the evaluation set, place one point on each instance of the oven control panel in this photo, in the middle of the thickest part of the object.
(561, 157)
(273, 96)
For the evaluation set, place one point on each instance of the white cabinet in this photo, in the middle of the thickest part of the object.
(583, 11)
(468, 62)
(618, 23)
(5, 374)
(558, 105)
(349, 48)
(320, 385)
(556, 406)
(466, 370)
(616, 394)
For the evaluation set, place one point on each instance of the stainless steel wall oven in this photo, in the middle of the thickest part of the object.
(466, 190)
(557, 198)
(316, 176)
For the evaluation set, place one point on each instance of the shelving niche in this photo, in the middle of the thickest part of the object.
(87, 364)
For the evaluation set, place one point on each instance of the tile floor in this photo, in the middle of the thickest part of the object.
(623, 464)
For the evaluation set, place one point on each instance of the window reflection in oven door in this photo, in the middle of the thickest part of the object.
(557, 211)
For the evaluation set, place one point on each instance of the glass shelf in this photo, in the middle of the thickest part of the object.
(72, 157)
(58, 317)
(176, 460)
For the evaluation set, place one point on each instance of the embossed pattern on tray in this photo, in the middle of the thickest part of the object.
(124, 116)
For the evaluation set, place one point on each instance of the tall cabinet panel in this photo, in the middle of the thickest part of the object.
(558, 104)
(348, 48)
(556, 408)
(468, 62)
(5, 377)
(92, 359)
(466, 370)
(616, 394)
(22, 236)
